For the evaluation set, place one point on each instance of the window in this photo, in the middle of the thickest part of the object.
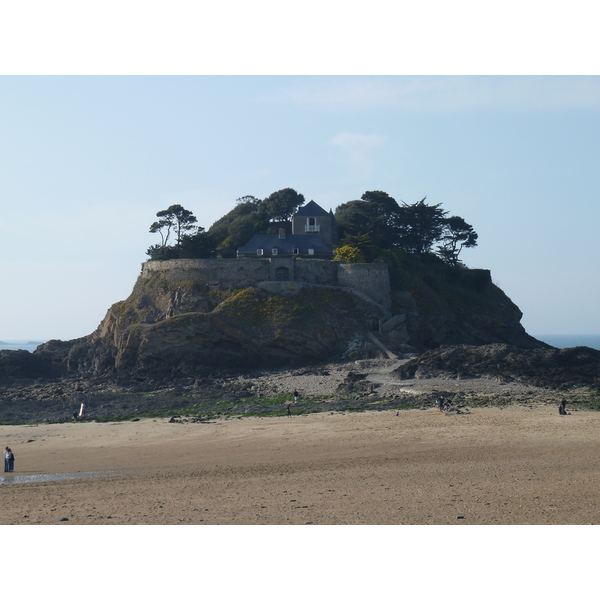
(311, 250)
(311, 225)
(296, 251)
(259, 251)
(274, 251)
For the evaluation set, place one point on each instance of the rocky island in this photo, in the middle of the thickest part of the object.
(206, 335)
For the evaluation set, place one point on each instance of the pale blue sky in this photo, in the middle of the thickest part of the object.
(86, 162)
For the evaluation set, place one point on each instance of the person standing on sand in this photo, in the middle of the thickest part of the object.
(562, 408)
(295, 396)
(289, 410)
(9, 460)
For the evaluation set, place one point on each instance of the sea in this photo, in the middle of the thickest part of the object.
(565, 340)
(591, 340)
(19, 345)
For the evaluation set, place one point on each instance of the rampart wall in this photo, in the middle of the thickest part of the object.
(371, 279)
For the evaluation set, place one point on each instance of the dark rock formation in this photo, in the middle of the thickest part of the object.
(542, 367)
(21, 364)
(175, 329)
(169, 329)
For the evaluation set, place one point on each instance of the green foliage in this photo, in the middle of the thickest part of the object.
(159, 252)
(253, 306)
(374, 228)
(362, 218)
(458, 234)
(349, 254)
(281, 205)
(418, 226)
(253, 216)
(175, 218)
(191, 242)
(197, 245)
(412, 229)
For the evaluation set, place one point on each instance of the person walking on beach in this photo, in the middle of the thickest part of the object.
(9, 460)
(562, 410)
(289, 411)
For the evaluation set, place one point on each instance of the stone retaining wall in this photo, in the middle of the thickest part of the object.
(371, 279)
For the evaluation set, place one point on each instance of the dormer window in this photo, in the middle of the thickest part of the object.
(275, 251)
(259, 251)
(311, 251)
(296, 251)
(311, 225)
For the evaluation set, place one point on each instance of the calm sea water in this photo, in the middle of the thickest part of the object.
(15, 345)
(558, 341)
(570, 341)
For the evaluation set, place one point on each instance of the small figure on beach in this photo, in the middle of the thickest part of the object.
(440, 403)
(295, 396)
(289, 410)
(562, 410)
(448, 404)
(82, 410)
(9, 460)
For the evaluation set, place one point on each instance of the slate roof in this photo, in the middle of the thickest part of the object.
(312, 209)
(286, 245)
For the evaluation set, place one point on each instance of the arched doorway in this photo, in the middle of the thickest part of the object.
(282, 274)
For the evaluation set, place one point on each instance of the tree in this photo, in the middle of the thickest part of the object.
(280, 205)
(359, 217)
(163, 225)
(418, 226)
(458, 234)
(384, 204)
(184, 220)
(197, 245)
(175, 218)
(248, 200)
(375, 215)
(160, 252)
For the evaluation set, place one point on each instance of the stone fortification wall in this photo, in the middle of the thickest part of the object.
(371, 279)
(322, 272)
(224, 272)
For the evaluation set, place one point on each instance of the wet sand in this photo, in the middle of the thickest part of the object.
(515, 465)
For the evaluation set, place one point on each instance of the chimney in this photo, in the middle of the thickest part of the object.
(282, 234)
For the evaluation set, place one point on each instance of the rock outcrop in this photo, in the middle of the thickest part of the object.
(185, 328)
(174, 329)
(541, 367)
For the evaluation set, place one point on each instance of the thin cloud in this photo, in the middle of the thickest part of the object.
(442, 93)
(356, 149)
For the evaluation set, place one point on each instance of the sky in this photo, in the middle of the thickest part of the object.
(107, 122)
(87, 161)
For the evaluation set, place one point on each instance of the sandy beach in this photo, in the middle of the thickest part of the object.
(512, 465)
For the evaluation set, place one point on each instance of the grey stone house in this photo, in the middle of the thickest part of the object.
(311, 219)
(314, 231)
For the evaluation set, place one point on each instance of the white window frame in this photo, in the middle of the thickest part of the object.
(296, 252)
(311, 225)
(259, 251)
(274, 251)
(311, 251)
